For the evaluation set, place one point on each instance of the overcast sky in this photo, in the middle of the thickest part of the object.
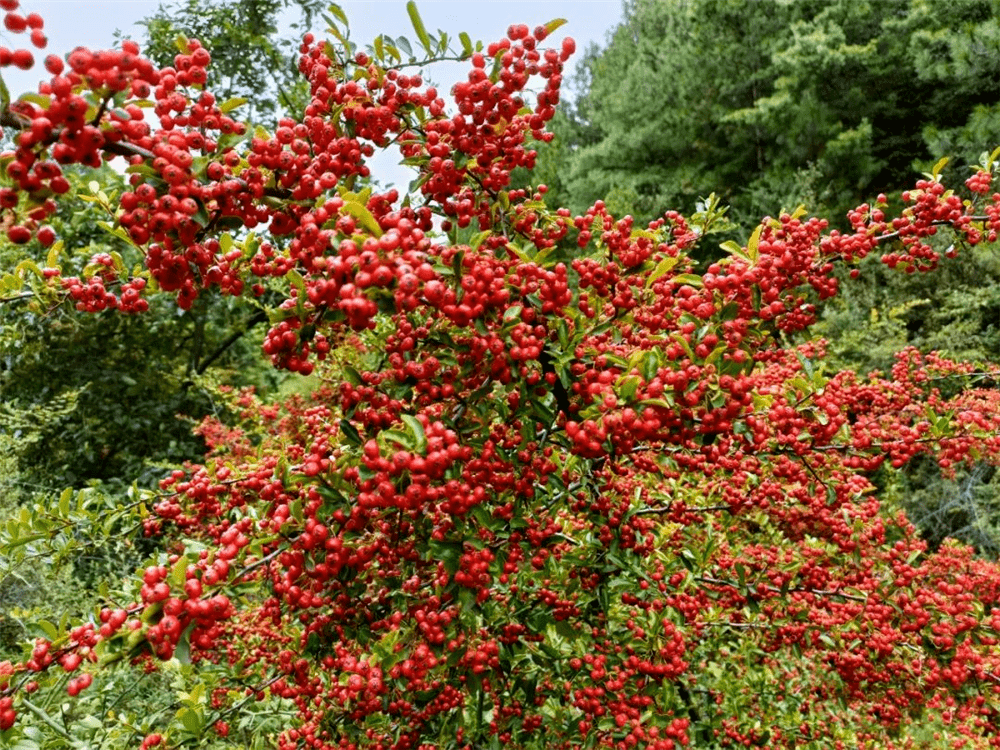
(92, 23)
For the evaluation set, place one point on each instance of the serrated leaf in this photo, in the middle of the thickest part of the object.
(628, 386)
(191, 720)
(716, 353)
(182, 44)
(418, 26)
(178, 573)
(512, 313)
(733, 248)
(64, 501)
(663, 403)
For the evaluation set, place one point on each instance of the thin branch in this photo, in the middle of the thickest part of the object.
(261, 562)
(259, 317)
(776, 590)
(655, 510)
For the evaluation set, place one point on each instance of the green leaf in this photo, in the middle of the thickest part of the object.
(298, 282)
(688, 278)
(230, 104)
(466, 44)
(937, 168)
(733, 248)
(360, 212)
(4, 95)
(628, 386)
(338, 12)
(418, 26)
(753, 243)
(350, 432)
(64, 501)
(42, 101)
(399, 438)
(449, 553)
(178, 573)
(554, 24)
(420, 446)
(661, 268)
(191, 720)
(28, 265)
(477, 239)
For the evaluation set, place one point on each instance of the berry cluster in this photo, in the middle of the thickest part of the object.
(16, 23)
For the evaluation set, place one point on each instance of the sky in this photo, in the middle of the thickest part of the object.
(92, 23)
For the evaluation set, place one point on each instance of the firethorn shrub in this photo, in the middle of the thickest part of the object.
(556, 485)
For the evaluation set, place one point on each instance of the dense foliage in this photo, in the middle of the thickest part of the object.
(556, 485)
(772, 104)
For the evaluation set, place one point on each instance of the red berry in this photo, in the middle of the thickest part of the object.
(46, 236)
(18, 234)
(23, 59)
(15, 22)
(54, 64)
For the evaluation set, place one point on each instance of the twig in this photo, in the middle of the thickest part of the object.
(776, 590)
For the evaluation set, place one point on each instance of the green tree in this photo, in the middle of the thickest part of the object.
(772, 104)
(252, 59)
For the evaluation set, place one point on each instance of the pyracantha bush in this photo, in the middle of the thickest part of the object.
(558, 485)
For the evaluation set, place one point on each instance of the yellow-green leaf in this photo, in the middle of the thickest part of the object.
(466, 44)
(554, 24)
(28, 265)
(661, 268)
(420, 446)
(52, 259)
(338, 12)
(688, 278)
(230, 104)
(360, 212)
(753, 243)
(418, 26)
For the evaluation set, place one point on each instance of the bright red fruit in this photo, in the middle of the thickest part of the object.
(556, 484)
